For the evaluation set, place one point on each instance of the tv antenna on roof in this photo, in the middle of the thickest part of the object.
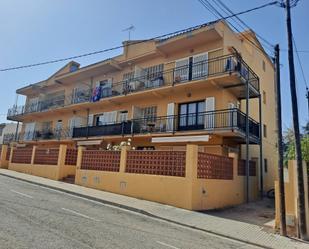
(129, 29)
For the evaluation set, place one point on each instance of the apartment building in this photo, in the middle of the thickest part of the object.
(191, 88)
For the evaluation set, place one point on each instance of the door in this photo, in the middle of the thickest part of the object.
(74, 123)
(32, 105)
(29, 131)
(191, 116)
(81, 94)
(200, 66)
(58, 129)
(181, 70)
(106, 88)
(108, 118)
(232, 115)
(210, 116)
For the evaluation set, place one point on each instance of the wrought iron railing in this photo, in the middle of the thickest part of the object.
(213, 67)
(229, 119)
(46, 134)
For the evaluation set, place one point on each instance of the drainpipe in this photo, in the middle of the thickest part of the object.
(261, 149)
(247, 141)
(16, 132)
(87, 130)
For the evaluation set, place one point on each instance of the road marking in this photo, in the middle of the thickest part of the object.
(222, 237)
(167, 245)
(25, 195)
(79, 214)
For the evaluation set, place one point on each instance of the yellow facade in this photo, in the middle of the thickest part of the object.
(214, 41)
(53, 172)
(187, 192)
(291, 198)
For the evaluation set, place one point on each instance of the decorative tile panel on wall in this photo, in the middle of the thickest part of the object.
(168, 163)
(101, 160)
(71, 157)
(21, 155)
(46, 156)
(214, 167)
(242, 168)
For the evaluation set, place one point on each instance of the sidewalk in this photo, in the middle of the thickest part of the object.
(233, 229)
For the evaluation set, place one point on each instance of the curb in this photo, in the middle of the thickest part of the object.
(139, 211)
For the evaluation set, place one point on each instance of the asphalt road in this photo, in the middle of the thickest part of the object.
(36, 217)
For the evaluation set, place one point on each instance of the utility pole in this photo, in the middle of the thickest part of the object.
(300, 175)
(307, 96)
(280, 144)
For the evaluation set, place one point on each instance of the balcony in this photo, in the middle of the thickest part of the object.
(232, 122)
(229, 71)
(40, 135)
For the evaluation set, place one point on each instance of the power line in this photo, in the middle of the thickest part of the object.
(242, 22)
(299, 62)
(296, 51)
(217, 14)
(131, 43)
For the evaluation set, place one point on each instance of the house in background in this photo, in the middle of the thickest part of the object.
(8, 131)
(190, 88)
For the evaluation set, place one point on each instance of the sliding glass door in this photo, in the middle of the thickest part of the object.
(191, 116)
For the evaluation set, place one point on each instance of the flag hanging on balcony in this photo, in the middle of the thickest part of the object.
(96, 94)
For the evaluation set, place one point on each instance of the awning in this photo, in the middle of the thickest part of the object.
(180, 139)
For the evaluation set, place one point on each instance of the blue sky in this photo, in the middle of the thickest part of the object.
(34, 31)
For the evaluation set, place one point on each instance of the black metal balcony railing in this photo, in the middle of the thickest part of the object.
(123, 128)
(223, 65)
(213, 121)
(230, 119)
(46, 134)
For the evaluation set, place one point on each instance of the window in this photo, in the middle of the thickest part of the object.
(122, 116)
(128, 76)
(191, 115)
(265, 165)
(149, 113)
(74, 68)
(46, 126)
(264, 97)
(106, 88)
(264, 66)
(265, 130)
(153, 71)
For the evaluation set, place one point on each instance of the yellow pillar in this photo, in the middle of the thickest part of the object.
(32, 159)
(79, 156)
(3, 161)
(61, 161)
(306, 197)
(191, 176)
(123, 158)
(11, 155)
(235, 164)
(79, 164)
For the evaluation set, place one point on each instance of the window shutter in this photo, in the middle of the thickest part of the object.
(209, 115)
(170, 117)
(90, 120)
(139, 72)
(200, 66)
(181, 70)
(113, 117)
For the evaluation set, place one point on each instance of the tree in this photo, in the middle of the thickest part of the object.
(289, 144)
(290, 149)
